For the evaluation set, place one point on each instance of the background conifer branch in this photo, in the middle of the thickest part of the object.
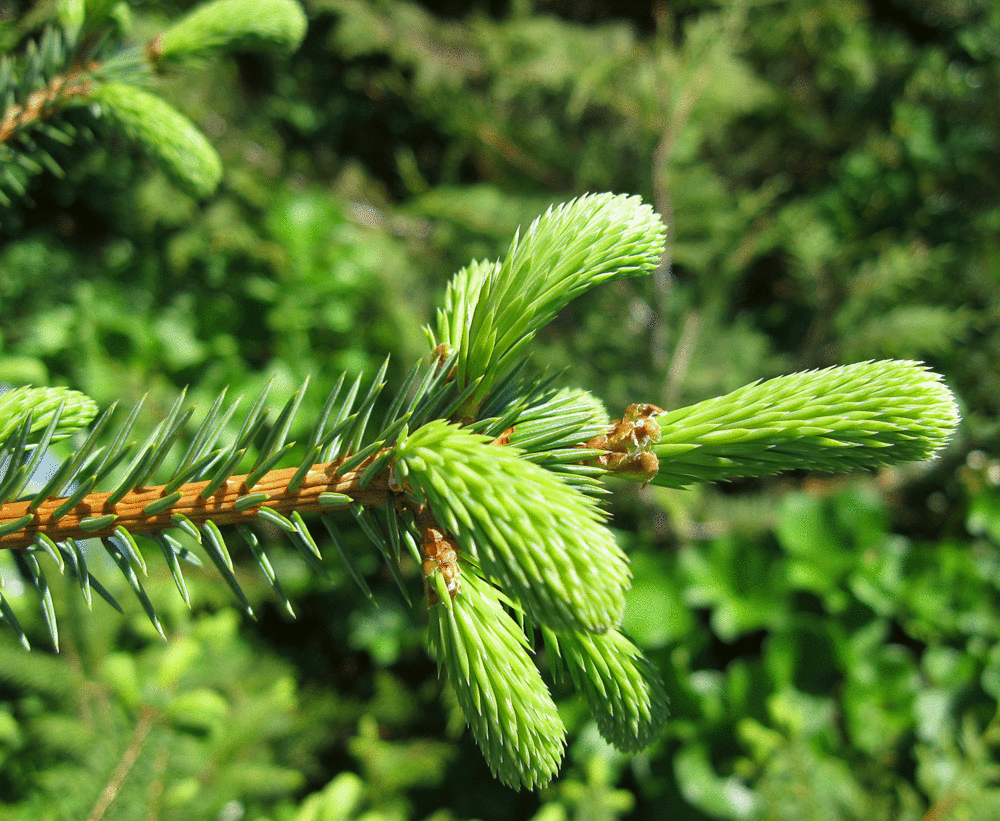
(105, 71)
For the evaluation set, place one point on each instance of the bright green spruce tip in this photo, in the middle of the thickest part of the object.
(165, 134)
(460, 298)
(540, 539)
(492, 310)
(245, 24)
(501, 693)
(837, 419)
(77, 410)
(622, 687)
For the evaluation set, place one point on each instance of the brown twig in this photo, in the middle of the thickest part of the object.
(440, 553)
(46, 101)
(219, 506)
(125, 763)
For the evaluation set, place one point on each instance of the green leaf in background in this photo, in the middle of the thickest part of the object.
(825, 535)
(737, 581)
(656, 613)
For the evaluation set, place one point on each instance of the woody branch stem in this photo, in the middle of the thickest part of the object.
(44, 102)
(219, 506)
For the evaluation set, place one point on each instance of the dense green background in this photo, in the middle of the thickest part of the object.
(828, 172)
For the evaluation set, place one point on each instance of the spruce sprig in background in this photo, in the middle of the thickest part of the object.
(91, 67)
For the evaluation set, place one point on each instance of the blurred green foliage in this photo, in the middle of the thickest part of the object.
(827, 172)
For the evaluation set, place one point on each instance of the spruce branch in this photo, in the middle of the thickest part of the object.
(34, 88)
(203, 492)
(151, 510)
(486, 477)
(45, 102)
